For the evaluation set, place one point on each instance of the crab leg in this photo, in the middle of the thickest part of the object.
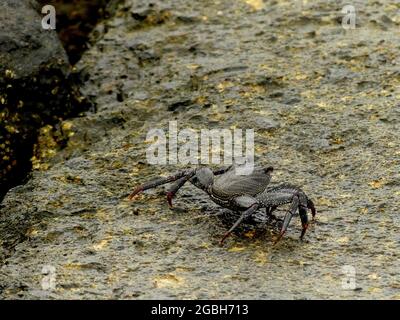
(269, 210)
(304, 220)
(246, 214)
(289, 215)
(176, 186)
(160, 181)
(310, 205)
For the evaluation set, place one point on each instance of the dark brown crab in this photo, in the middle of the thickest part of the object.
(243, 193)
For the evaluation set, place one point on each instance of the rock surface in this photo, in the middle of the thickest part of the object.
(75, 21)
(35, 86)
(328, 99)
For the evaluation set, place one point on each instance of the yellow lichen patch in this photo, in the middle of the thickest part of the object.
(256, 4)
(103, 215)
(302, 263)
(374, 290)
(11, 129)
(201, 100)
(255, 89)
(322, 105)
(261, 149)
(376, 184)
(250, 234)
(148, 236)
(236, 249)
(337, 141)
(229, 102)
(373, 276)
(343, 240)
(193, 66)
(73, 266)
(102, 244)
(54, 91)
(31, 232)
(114, 277)
(66, 125)
(80, 230)
(261, 257)
(218, 117)
(205, 245)
(45, 149)
(9, 74)
(168, 281)
(347, 98)
(128, 231)
(300, 76)
(224, 85)
(325, 202)
(70, 179)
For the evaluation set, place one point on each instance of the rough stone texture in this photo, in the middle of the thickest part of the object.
(324, 103)
(35, 86)
(76, 20)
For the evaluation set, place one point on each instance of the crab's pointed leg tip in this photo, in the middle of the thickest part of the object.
(303, 232)
(221, 243)
(313, 212)
(134, 193)
(169, 199)
(279, 237)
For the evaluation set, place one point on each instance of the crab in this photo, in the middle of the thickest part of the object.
(244, 194)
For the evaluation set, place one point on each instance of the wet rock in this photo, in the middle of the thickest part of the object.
(179, 104)
(263, 124)
(36, 87)
(75, 21)
(338, 141)
(149, 14)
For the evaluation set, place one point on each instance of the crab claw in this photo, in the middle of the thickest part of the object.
(135, 192)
